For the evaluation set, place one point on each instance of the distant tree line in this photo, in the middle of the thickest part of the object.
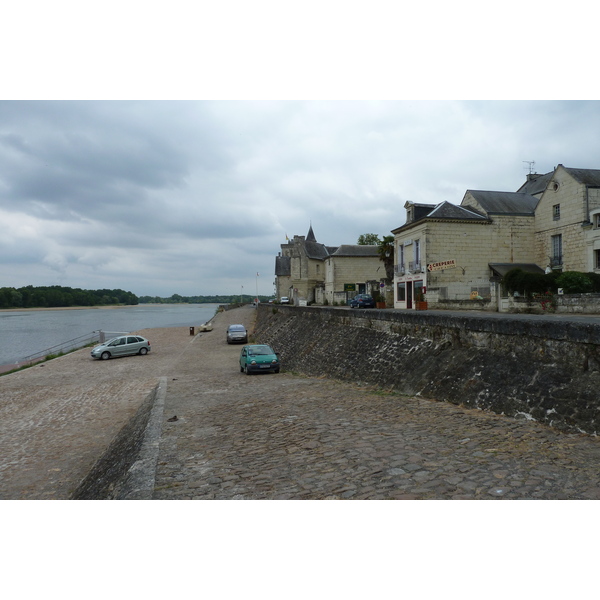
(57, 296)
(220, 299)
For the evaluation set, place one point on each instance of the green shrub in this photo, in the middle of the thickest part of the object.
(573, 282)
(595, 279)
(517, 280)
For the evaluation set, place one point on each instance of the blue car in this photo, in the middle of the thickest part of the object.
(362, 301)
(257, 358)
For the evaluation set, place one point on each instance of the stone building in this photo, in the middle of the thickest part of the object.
(460, 253)
(447, 252)
(350, 270)
(306, 270)
(299, 267)
(567, 218)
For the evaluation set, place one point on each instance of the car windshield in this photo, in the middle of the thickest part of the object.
(260, 350)
(237, 328)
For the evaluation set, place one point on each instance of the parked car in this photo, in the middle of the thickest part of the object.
(362, 301)
(284, 300)
(123, 345)
(237, 333)
(257, 358)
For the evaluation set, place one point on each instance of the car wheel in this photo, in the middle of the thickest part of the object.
(241, 369)
(143, 351)
(105, 355)
(246, 369)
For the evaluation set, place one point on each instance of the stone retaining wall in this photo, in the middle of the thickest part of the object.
(548, 371)
(110, 471)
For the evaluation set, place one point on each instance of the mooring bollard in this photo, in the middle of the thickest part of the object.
(191, 331)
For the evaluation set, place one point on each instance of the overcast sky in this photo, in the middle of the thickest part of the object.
(196, 196)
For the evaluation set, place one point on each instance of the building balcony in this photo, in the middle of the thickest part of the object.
(556, 261)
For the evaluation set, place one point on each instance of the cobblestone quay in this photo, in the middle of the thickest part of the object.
(285, 436)
(215, 433)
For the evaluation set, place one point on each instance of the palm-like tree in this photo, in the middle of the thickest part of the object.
(386, 254)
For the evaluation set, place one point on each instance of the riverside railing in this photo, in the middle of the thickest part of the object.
(73, 344)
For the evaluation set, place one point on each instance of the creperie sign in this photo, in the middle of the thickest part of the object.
(439, 266)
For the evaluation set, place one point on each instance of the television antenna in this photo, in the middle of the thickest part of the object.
(531, 164)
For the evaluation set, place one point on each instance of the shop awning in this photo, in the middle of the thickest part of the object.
(501, 269)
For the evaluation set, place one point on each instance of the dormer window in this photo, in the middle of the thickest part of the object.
(556, 212)
(409, 214)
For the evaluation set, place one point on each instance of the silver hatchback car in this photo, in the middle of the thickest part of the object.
(237, 333)
(123, 345)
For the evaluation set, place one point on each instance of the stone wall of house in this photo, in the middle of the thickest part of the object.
(548, 371)
(592, 233)
(474, 246)
(570, 195)
(350, 269)
(506, 239)
(467, 245)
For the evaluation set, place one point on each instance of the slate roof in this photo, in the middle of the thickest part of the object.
(421, 210)
(539, 183)
(315, 250)
(511, 203)
(536, 184)
(283, 266)
(447, 210)
(589, 177)
(356, 250)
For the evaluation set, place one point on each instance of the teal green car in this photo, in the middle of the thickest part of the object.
(257, 358)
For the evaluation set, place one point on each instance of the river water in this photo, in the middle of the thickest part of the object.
(24, 333)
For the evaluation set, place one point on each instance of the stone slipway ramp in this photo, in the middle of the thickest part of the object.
(58, 419)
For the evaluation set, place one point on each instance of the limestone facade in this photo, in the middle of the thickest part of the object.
(567, 235)
(460, 252)
(307, 270)
(350, 270)
(448, 252)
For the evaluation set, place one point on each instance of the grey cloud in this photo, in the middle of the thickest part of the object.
(195, 197)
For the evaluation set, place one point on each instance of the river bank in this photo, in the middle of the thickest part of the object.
(108, 306)
(35, 332)
(58, 417)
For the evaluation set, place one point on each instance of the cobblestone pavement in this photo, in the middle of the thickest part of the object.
(57, 418)
(284, 436)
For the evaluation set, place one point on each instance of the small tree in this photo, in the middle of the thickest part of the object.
(386, 255)
(368, 239)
